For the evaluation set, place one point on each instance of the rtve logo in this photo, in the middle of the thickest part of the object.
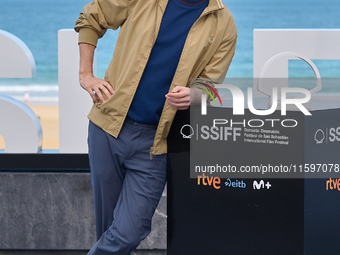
(333, 184)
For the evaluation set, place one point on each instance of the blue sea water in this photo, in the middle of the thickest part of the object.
(36, 22)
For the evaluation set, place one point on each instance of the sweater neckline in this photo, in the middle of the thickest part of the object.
(192, 2)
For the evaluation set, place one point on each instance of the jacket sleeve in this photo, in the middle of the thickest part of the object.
(216, 69)
(100, 15)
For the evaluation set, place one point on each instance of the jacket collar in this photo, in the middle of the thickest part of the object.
(214, 5)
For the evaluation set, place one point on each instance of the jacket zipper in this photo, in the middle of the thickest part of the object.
(152, 152)
(154, 41)
(205, 14)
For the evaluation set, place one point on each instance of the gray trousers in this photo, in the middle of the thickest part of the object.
(127, 186)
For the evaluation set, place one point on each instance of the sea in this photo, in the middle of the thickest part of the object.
(36, 23)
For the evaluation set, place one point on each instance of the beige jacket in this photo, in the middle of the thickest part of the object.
(207, 53)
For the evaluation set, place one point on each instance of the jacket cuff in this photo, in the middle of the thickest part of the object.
(88, 35)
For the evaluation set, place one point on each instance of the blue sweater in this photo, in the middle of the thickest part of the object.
(149, 99)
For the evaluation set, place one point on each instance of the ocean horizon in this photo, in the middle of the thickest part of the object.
(37, 22)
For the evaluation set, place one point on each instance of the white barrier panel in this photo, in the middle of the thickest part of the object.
(313, 43)
(19, 127)
(16, 59)
(74, 102)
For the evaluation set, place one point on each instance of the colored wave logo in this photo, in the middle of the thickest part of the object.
(209, 93)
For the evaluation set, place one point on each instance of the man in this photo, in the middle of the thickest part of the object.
(162, 44)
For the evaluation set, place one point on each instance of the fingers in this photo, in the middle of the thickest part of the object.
(102, 92)
(109, 88)
(179, 106)
(179, 98)
(179, 92)
(99, 89)
(178, 89)
(93, 96)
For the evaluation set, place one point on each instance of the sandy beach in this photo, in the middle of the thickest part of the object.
(49, 119)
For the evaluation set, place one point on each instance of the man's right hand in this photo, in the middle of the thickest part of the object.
(99, 89)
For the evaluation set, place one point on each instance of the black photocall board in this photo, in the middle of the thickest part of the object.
(276, 213)
(322, 196)
(272, 146)
(44, 162)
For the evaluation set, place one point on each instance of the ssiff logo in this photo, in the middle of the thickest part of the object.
(328, 135)
(319, 136)
(187, 131)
